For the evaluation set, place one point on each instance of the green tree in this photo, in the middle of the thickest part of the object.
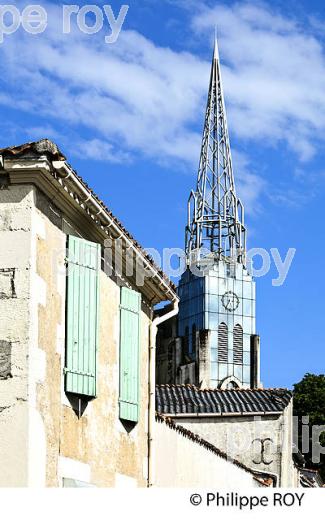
(309, 400)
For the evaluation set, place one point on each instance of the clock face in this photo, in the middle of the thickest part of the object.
(230, 301)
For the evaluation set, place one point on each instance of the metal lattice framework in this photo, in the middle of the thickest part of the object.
(215, 215)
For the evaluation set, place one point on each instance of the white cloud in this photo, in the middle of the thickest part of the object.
(42, 132)
(249, 185)
(274, 76)
(99, 150)
(136, 97)
(133, 95)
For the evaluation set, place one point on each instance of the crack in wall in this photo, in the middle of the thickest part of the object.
(2, 408)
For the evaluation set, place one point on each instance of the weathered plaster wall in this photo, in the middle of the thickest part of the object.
(96, 447)
(289, 474)
(42, 439)
(16, 203)
(242, 438)
(99, 439)
(180, 462)
(50, 261)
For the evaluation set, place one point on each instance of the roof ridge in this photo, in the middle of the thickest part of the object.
(198, 389)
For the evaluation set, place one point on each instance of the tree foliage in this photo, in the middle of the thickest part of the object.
(309, 400)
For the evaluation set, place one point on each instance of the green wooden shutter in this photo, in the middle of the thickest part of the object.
(129, 354)
(83, 269)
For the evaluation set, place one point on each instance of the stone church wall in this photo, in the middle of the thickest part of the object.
(182, 462)
(263, 442)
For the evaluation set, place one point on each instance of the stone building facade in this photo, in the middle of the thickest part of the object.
(83, 420)
(77, 343)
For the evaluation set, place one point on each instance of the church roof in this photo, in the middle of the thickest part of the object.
(190, 400)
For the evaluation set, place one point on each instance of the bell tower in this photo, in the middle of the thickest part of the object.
(217, 294)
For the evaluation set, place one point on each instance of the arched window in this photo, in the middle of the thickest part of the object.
(232, 385)
(193, 339)
(238, 345)
(223, 343)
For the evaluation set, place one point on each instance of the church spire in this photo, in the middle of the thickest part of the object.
(215, 214)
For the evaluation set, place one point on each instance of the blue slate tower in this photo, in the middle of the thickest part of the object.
(217, 294)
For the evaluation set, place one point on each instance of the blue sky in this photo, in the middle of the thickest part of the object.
(129, 117)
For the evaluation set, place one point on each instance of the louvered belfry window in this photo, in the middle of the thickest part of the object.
(223, 343)
(129, 354)
(83, 267)
(238, 345)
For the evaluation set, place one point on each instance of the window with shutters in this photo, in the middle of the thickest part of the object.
(82, 313)
(223, 343)
(238, 345)
(129, 354)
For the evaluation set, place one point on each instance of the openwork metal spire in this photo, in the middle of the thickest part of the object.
(215, 226)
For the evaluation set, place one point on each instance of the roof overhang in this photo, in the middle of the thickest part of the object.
(60, 183)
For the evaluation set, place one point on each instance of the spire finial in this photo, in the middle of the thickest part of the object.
(216, 49)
